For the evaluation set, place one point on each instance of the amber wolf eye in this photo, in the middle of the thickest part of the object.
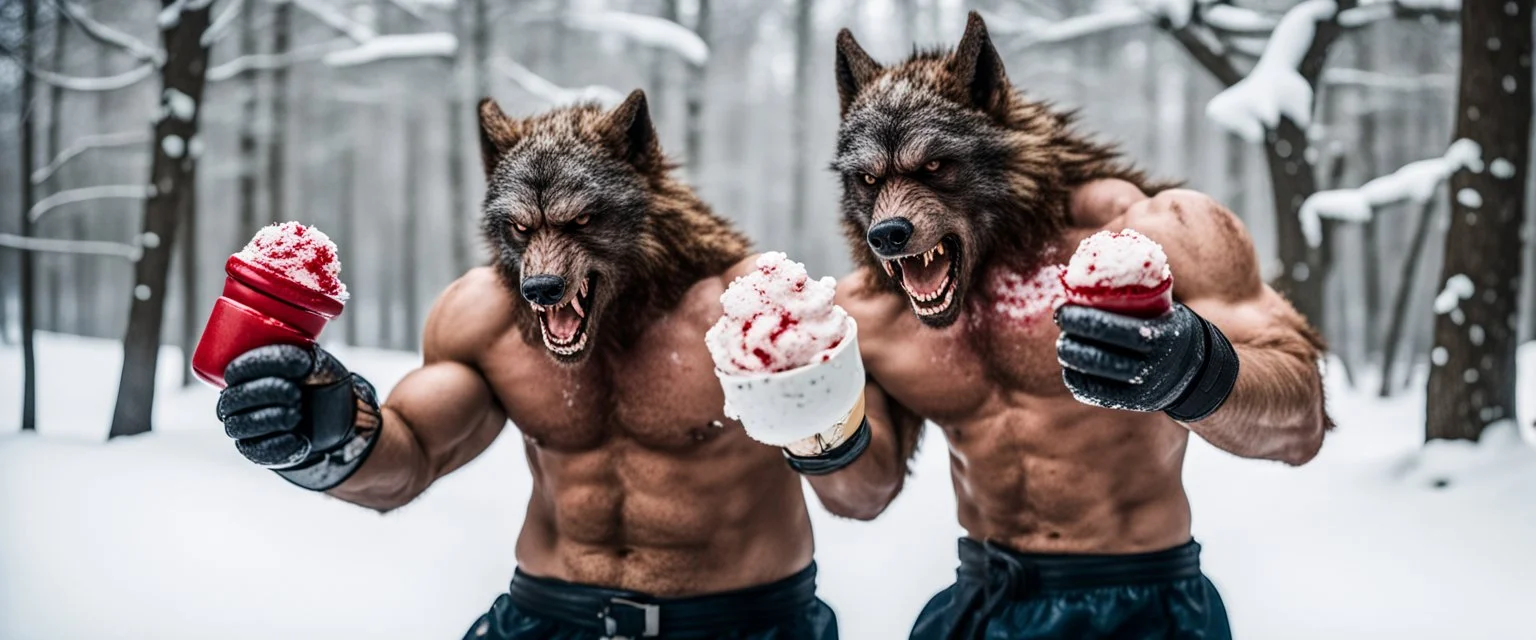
(583, 219)
(932, 166)
(869, 179)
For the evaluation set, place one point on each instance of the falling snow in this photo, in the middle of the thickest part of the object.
(178, 105)
(173, 146)
(142, 292)
(1510, 85)
(1469, 198)
(1475, 334)
(1439, 356)
(1457, 288)
(1501, 169)
(149, 240)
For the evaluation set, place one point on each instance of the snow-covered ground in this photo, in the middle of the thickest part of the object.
(172, 535)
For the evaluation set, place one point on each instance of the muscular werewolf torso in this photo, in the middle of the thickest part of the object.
(639, 480)
(1033, 468)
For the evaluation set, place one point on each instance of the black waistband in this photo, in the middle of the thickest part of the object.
(615, 612)
(1030, 573)
(998, 575)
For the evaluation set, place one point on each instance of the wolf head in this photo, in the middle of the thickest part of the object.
(945, 169)
(587, 225)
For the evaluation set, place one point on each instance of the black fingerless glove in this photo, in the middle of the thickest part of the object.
(300, 413)
(1178, 363)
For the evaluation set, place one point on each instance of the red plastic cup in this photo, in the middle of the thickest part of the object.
(259, 307)
(1141, 302)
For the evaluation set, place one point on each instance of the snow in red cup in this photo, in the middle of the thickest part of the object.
(787, 357)
(281, 289)
(1123, 272)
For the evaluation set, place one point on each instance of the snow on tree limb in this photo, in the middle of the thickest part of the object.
(130, 252)
(1375, 11)
(269, 61)
(1034, 30)
(1232, 19)
(221, 24)
(1386, 81)
(107, 83)
(646, 30)
(413, 45)
(554, 94)
(1415, 181)
(86, 143)
(1274, 89)
(358, 32)
(84, 194)
(109, 36)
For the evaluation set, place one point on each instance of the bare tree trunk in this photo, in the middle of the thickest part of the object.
(172, 176)
(1291, 176)
(347, 209)
(460, 125)
(277, 141)
(1392, 345)
(698, 82)
(59, 262)
(28, 296)
(190, 324)
(246, 189)
(409, 260)
(1474, 385)
(800, 191)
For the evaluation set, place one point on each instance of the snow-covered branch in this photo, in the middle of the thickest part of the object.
(1376, 80)
(1031, 31)
(269, 61)
(129, 252)
(413, 45)
(646, 30)
(222, 23)
(109, 36)
(86, 143)
(84, 194)
(1237, 20)
(552, 93)
(1275, 88)
(358, 32)
(107, 83)
(1415, 181)
(1369, 12)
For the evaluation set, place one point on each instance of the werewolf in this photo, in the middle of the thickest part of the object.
(962, 199)
(651, 513)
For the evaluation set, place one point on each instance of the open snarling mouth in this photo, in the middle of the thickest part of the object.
(930, 277)
(564, 325)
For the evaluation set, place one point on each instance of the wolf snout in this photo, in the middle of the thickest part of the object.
(889, 237)
(546, 290)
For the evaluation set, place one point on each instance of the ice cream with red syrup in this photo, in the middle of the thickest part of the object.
(302, 254)
(282, 288)
(776, 318)
(1125, 272)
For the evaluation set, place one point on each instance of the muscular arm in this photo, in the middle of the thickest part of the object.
(863, 489)
(440, 416)
(1275, 410)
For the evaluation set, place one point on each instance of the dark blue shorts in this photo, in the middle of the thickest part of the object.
(1003, 594)
(546, 609)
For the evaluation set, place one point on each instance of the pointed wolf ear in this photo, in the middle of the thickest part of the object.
(628, 131)
(854, 68)
(498, 133)
(979, 69)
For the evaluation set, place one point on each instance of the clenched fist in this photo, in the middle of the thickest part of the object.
(299, 412)
(1178, 362)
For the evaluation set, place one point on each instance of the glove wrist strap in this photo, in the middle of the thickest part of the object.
(1210, 388)
(839, 457)
(344, 417)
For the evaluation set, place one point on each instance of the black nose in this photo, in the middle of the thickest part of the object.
(544, 290)
(889, 237)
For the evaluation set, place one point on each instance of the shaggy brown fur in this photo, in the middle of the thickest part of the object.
(595, 197)
(1009, 163)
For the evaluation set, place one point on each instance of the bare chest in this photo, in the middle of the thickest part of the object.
(1003, 346)
(662, 393)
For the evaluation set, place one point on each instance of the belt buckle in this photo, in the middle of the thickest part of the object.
(649, 620)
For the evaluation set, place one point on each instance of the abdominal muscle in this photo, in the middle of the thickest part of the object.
(1051, 475)
(725, 514)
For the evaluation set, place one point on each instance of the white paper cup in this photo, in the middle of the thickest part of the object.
(782, 407)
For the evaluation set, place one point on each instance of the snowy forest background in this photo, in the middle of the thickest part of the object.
(1376, 149)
